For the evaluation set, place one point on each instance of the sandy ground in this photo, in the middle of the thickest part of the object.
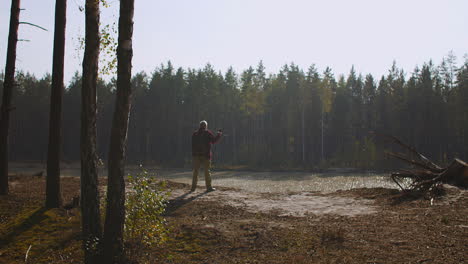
(368, 225)
(299, 204)
(236, 225)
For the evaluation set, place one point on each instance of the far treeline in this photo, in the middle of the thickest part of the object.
(292, 119)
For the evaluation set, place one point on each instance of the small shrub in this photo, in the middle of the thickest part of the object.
(146, 202)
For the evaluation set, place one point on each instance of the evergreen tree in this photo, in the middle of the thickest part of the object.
(280, 120)
(53, 195)
(8, 84)
(90, 212)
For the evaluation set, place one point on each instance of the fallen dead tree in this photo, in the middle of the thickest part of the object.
(425, 176)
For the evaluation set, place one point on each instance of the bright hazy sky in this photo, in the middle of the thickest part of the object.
(369, 34)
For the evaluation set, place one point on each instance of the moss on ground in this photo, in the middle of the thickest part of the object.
(49, 234)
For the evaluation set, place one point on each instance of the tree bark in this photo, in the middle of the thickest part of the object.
(53, 195)
(115, 213)
(303, 135)
(91, 223)
(456, 173)
(8, 84)
(428, 176)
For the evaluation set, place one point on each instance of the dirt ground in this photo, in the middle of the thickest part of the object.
(355, 226)
(236, 226)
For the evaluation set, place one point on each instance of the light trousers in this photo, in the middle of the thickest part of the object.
(199, 161)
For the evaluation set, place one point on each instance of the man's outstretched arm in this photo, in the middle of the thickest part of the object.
(215, 139)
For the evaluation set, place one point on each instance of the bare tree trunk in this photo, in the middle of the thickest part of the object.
(321, 135)
(115, 211)
(8, 84)
(234, 145)
(147, 145)
(303, 135)
(53, 196)
(91, 222)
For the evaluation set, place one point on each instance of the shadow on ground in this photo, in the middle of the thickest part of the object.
(180, 201)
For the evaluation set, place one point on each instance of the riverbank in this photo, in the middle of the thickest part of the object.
(253, 181)
(365, 225)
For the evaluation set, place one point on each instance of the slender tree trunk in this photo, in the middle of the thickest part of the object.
(303, 135)
(321, 135)
(147, 145)
(53, 196)
(91, 223)
(234, 143)
(8, 84)
(115, 212)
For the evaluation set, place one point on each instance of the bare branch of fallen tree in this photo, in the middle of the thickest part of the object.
(394, 177)
(425, 160)
(411, 161)
(425, 176)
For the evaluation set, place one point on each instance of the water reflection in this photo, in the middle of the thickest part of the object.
(282, 182)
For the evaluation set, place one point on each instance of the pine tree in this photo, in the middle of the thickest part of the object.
(53, 195)
(90, 213)
(8, 84)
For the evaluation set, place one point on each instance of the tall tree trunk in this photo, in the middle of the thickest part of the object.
(303, 135)
(53, 196)
(115, 212)
(147, 144)
(234, 144)
(321, 136)
(8, 84)
(91, 223)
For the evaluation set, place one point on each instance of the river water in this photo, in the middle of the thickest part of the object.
(278, 182)
(285, 182)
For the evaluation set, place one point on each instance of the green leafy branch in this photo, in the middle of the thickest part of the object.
(108, 43)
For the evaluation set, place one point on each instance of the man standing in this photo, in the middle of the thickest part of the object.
(202, 139)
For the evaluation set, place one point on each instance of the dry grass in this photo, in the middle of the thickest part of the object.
(409, 231)
(332, 237)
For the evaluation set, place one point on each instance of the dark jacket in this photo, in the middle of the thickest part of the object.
(201, 142)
